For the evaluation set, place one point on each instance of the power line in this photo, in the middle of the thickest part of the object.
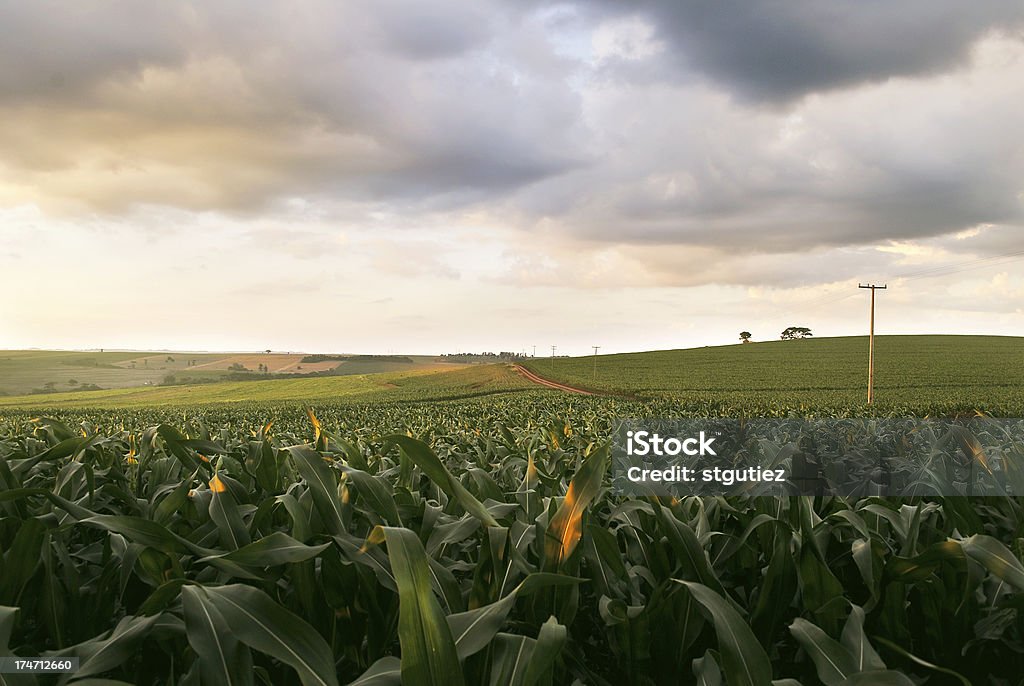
(931, 272)
(956, 268)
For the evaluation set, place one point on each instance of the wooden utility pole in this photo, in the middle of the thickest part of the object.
(871, 342)
(596, 348)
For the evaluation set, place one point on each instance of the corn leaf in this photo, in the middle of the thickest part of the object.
(744, 661)
(222, 659)
(428, 651)
(263, 625)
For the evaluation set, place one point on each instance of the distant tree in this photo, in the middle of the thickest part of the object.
(745, 336)
(169, 359)
(267, 351)
(72, 382)
(795, 332)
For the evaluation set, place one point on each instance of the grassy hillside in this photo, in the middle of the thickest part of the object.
(973, 370)
(417, 384)
(915, 374)
(38, 371)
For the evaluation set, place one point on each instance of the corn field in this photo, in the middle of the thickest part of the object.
(470, 542)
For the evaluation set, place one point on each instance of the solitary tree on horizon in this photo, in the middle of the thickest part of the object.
(794, 332)
(745, 336)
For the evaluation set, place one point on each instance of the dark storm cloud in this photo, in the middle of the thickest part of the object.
(777, 50)
(54, 51)
(244, 103)
(778, 219)
(421, 30)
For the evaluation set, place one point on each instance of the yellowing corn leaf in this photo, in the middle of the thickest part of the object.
(566, 526)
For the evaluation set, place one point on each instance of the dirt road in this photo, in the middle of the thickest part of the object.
(550, 384)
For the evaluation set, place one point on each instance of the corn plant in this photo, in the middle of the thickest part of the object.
(470, 542)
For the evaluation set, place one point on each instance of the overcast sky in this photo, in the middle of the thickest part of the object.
(393, 175)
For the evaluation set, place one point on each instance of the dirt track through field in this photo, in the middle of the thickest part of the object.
(550, 384)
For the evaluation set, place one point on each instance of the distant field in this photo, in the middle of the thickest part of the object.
(25, 371)
(417, 384)
(913, 371)
(37, 371)
(915, 375)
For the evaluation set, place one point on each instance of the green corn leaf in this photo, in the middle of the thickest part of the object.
(99, 655)
(222, 659)
(22, 559)
(299, 515)
(473, 630)
(744, 661)
(424, 458)
(276, 549)
(173, 501)
(225, 514)
(59, 429)
(176, 445)
(707, 671)
(323, 485)
(833, 662)
(879, 678)
(689, 551)
(996, 558)
(379, 500)
(428, 652)
(262, 624)
(777, 591)
(8, 615)
(863, 553)
(139, 530)
(900, 650)
(856, 642)
(821, 591)
(510, 656)
(267, 470)
(53, 603)
(922, 566)
(75, 510)
(7, 620)
(386, 671)
(549, 644)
